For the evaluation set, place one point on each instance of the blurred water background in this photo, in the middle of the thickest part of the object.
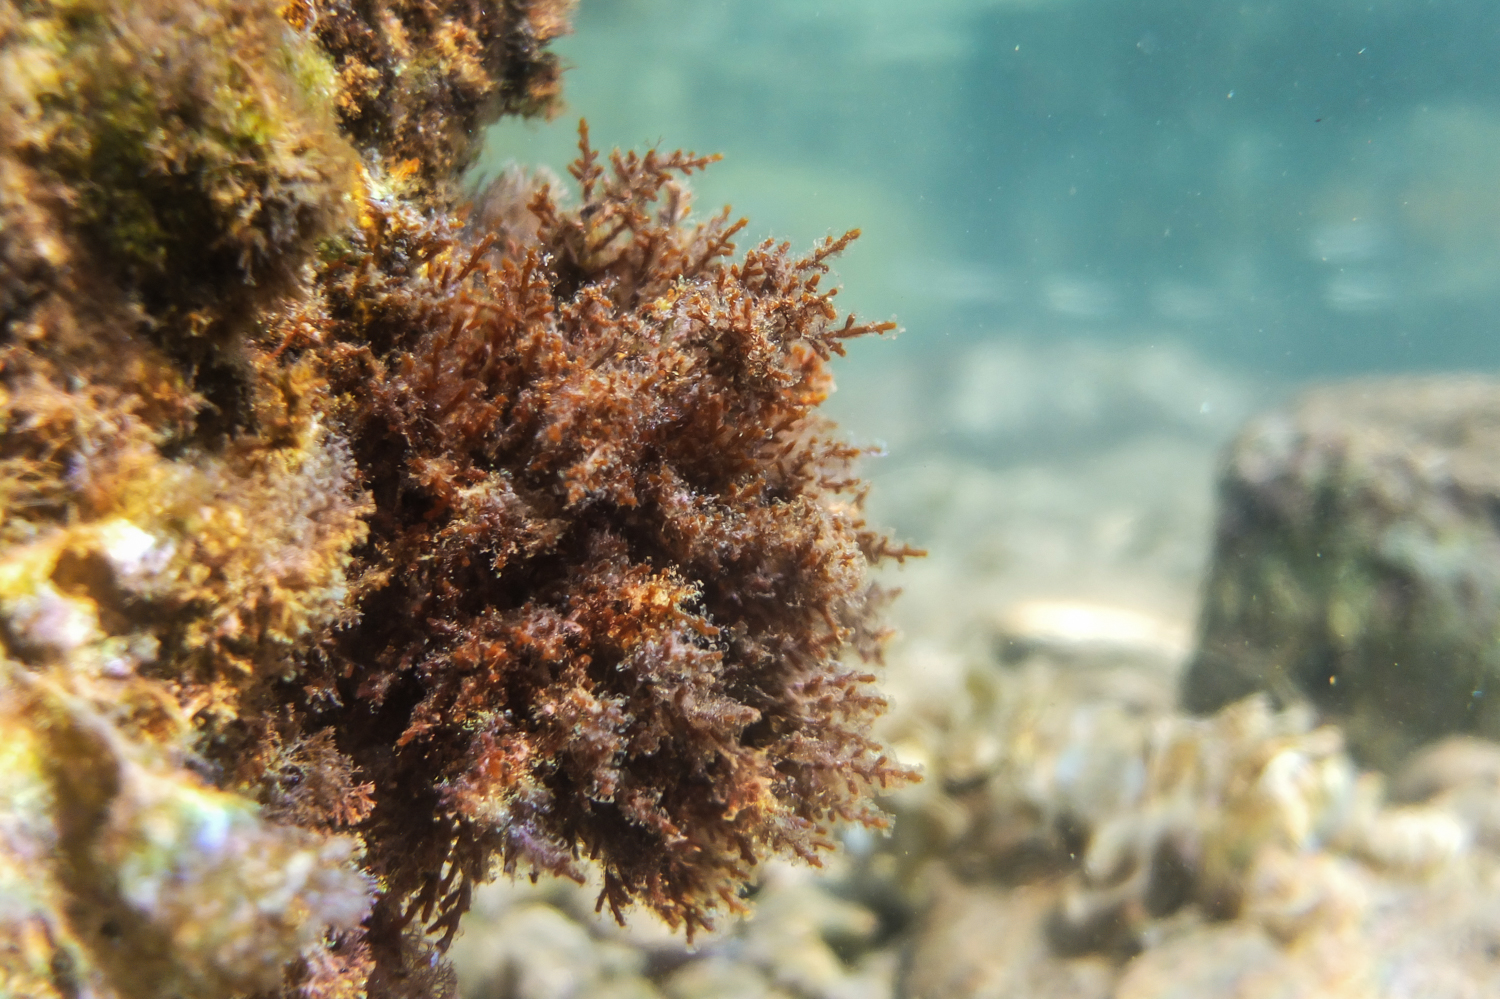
(1292, 187)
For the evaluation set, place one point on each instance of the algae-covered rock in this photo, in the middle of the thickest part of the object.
(353, 550)
(1357, 563)
(1067, 843)
(187, 155)
(124, 874)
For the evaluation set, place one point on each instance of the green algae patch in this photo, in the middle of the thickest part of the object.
(198, 143)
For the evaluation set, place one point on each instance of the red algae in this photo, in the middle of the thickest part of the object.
(621, 554)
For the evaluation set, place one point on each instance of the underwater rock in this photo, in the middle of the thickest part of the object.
(534, 951)
(122, 873)
(805, 938)
(719, 978)
(1461, 775)
(1064, 838)
(1357, 563)
(1217, 961)
(1076, 629)
(1410, 942)
(986, 942)
(807, 941)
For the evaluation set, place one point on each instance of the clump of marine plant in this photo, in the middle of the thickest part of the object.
(621, 555)
(358, 546)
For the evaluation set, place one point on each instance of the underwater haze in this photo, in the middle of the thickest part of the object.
(1293, 188)
(1197, 676)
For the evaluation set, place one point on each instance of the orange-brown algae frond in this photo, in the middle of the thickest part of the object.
(622, 556)
(309, 783)
(417, 80)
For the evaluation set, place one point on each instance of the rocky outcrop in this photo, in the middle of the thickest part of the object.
(1357, 563)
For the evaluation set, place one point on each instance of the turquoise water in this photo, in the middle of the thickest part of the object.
(1289, 188)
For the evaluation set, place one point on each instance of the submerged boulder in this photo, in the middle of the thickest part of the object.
(1357, 563)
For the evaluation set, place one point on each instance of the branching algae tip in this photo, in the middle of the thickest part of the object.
(359, 545)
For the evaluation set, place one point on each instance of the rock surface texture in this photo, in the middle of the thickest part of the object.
(1357, 563)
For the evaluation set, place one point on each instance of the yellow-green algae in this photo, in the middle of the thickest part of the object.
(198, 137)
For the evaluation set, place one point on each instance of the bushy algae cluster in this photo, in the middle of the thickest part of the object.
(359, 544)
